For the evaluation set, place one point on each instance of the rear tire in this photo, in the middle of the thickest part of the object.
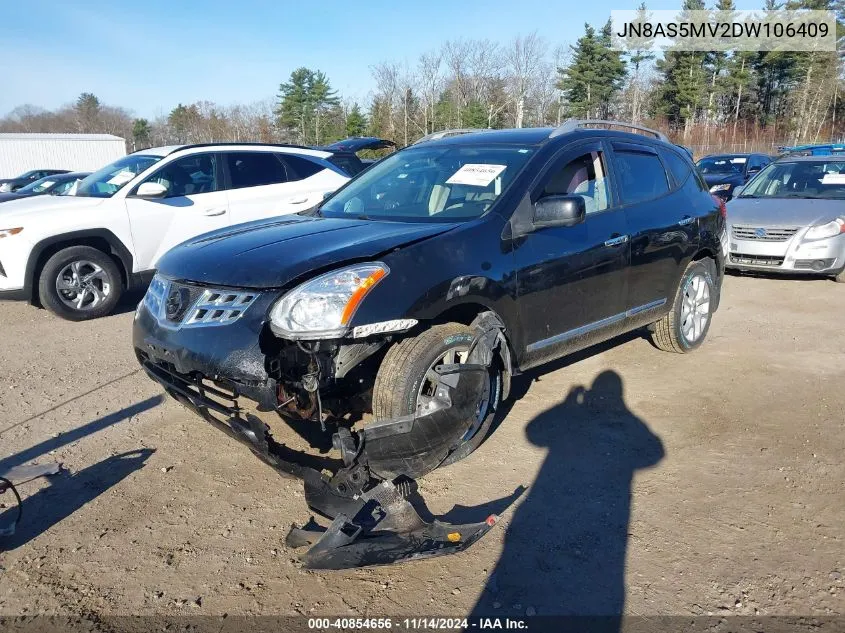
(840, 278)
(685, 327)
(80, 283)
(402, 380)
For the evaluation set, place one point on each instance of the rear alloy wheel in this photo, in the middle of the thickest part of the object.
(407, 379)
(687, 324)
(80, 283)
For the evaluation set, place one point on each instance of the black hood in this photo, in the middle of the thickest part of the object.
(727, 178)
(273, 253)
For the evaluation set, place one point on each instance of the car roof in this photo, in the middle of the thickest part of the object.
(811, 159)
(733, 154)
(167, 150)
(516, 136)
(536, 136)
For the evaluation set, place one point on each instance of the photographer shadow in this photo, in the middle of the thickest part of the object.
(564, 550)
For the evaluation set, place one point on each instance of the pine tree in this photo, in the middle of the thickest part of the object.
(356, 122)
(294, 111)
(303, 104)
(594, 76)
(684, 78)
(321, 98)
(87, 110)
(639, 56)
(141, 133)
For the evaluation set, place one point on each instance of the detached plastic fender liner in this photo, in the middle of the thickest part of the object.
(486, 323)
(412, 446)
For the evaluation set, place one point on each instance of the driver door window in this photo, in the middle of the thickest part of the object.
(584, 176)
(188, 176)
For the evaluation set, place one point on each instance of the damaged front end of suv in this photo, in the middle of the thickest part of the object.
(298, 356)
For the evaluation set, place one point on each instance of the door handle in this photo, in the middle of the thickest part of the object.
(686, 220)
(616, 241)
(299, 200)
(212, 212)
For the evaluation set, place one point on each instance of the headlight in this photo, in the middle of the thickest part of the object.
(324, 306)
(10, 232)
(716, 188)
(822, 231)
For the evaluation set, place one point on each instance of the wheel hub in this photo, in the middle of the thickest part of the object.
(83, 285)
(695, 307)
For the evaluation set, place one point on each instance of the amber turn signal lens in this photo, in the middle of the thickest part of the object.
(359, 294)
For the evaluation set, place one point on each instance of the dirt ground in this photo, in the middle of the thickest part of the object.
(710, 483)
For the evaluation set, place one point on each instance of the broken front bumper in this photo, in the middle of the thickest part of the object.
(374, 519)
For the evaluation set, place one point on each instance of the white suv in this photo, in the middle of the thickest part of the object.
(77, 254)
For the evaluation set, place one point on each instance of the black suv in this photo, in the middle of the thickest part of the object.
(341, 319)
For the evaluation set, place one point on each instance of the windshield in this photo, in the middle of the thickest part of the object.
(722, 164)
(107, 181)
(430, 184)
(807, 179)
(39, 186)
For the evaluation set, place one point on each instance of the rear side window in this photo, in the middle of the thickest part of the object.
(641, 176)
(253, 169)
(299, 167)
(349, 164)
(678, 167)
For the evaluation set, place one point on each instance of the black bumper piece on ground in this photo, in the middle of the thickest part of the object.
(374, 521)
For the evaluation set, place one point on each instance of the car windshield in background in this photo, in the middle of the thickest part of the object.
(722, 164)
(430, 184)
(107, 181)
(800, 179)
(39, 186)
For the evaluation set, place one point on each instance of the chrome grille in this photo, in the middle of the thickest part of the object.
(177, 305)
(762, 233)
(219, 307)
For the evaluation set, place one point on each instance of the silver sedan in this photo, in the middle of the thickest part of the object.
(791, 219)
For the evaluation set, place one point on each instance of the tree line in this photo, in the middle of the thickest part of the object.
(714, 100)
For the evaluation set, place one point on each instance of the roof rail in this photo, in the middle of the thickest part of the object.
(570, 125)
(444, 133)
(247, 143)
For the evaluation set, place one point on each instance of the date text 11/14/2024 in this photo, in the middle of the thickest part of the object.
(417, 624)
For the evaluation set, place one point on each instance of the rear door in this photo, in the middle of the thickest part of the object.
(571, 281)
(195, 203)
(266, 184)
(660, 213)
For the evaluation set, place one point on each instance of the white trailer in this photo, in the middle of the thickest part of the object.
(75, 152)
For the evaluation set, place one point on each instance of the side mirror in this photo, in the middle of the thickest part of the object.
(151, 190)
(559, 210)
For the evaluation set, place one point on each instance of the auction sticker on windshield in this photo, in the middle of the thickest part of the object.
(121, 178)
(476, 174)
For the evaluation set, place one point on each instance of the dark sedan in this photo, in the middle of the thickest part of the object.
(13, 184)
(55, 185)
(725, 172)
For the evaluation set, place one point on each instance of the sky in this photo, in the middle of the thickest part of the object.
(149, 55)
